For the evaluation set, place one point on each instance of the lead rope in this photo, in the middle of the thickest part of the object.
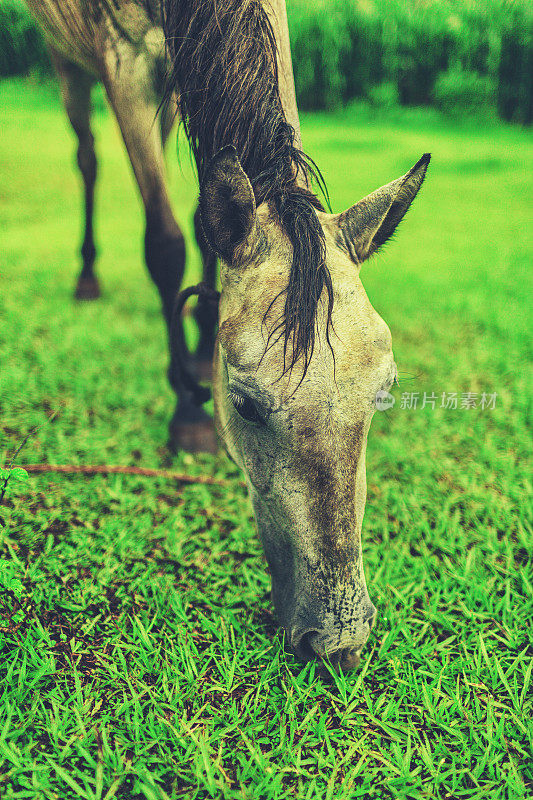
(178, 347)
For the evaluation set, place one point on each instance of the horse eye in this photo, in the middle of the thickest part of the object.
(246, 408)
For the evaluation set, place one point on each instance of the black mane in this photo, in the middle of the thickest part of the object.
(224, 72)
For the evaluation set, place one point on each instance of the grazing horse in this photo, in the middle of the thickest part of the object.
(121, 44)
(300, 353)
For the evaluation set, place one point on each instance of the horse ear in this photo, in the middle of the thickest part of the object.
(370, 222)
(227, 204)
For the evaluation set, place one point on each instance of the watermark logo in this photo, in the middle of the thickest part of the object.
(451, 401)
(384, 400)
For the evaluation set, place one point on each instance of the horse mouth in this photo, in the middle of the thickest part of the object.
(345, 658)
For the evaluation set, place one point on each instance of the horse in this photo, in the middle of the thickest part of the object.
(120, 43)
(300, 354)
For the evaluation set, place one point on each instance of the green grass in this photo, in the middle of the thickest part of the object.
(139, 655)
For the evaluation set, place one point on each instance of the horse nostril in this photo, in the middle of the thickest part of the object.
(303, 647)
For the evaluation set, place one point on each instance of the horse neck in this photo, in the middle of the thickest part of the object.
(277, 13)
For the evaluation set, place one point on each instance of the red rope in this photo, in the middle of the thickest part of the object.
(104, 469)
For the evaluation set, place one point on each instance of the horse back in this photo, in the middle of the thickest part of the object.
(83, 31)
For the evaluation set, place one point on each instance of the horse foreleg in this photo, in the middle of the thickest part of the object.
(204, 314)
(76, 93)
(131, 88)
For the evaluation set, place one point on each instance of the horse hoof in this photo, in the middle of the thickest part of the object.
(194, 437)
(87, 289)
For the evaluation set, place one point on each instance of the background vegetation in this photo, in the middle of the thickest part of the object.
(139, 657)
(459, 55)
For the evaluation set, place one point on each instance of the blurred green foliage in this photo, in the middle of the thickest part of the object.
(457, 91)
(460, 55)
(456, 54)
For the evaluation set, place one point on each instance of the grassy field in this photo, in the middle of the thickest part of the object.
(139, 654)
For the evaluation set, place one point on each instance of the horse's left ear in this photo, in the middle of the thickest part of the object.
(370, 222)
(227, 204)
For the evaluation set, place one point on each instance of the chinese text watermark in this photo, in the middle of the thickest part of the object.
(465, 401)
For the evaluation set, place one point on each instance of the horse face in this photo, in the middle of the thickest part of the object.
(300, 435)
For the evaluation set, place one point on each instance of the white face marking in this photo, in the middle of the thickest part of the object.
(302, 447)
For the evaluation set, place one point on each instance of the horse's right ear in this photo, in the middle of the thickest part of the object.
(370, 222)
(227, 204)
